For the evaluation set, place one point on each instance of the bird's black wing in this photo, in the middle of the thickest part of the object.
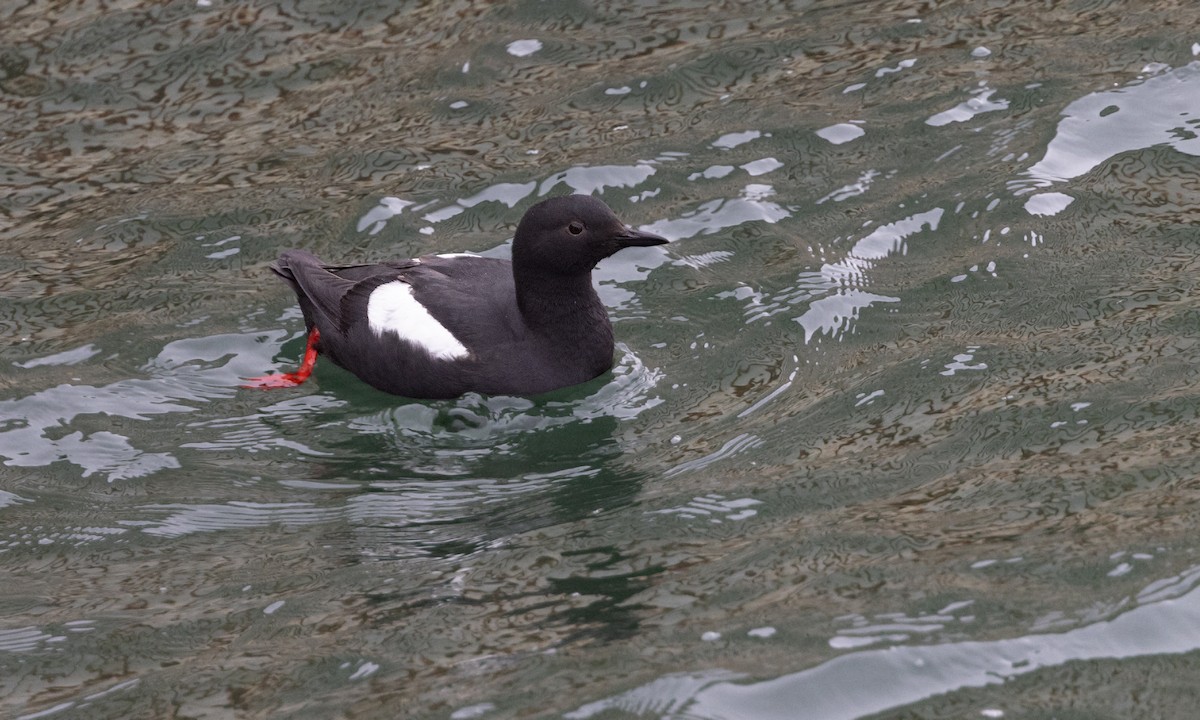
(330, 294)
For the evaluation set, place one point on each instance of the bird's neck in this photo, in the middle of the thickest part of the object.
(559, 304)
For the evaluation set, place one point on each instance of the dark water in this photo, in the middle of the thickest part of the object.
(904, 422)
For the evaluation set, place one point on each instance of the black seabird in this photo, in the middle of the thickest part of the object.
(443, 325)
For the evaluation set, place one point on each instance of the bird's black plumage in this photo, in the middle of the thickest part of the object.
(523, 327)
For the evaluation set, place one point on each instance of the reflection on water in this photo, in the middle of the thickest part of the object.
(1160, 110)
(909, 396)
(1165, 622)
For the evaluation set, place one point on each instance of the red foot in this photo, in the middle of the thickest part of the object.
(290, 379)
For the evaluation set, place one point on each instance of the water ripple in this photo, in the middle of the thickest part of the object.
(1158, 626)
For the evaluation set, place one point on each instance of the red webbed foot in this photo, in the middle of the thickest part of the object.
(289, 379)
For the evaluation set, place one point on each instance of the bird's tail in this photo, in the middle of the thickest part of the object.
(284, 268)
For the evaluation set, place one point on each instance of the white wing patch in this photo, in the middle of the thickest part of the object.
(392, 308)
(451, 256)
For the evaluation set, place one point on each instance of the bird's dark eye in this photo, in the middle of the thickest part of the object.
(575, 227)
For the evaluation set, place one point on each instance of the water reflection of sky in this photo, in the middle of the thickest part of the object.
(1164, 619)
(1161, 109)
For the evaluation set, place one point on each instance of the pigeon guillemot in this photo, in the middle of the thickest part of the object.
(442, 325)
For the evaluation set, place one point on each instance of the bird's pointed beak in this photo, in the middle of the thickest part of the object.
(637, 238)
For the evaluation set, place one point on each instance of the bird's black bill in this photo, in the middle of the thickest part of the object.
(637, 238)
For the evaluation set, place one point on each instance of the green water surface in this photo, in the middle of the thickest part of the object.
(903, 422)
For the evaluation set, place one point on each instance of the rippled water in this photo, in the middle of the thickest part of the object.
(903, 423)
